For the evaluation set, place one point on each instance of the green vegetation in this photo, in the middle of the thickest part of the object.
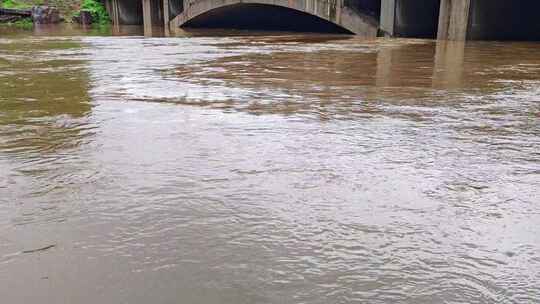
(13, 4)
(18, 4)
(24, 24)
(97, 10)
(99, 14)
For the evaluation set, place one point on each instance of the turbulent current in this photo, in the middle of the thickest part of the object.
(253, 167)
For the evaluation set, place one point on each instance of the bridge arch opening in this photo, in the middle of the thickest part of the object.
(256, 16)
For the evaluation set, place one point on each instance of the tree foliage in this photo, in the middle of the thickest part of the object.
(97, 10)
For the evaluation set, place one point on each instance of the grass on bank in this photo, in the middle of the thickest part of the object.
(24, 24)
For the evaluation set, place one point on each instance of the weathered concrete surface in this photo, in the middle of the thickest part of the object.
(147, 17)
(175, 8)
(112, 8)
(368, 7)
(330, 10)
(406, 18)
(388, 17)
(153, 15)
(416, 18)
(125, 12)
(166, 17)
(454, 20)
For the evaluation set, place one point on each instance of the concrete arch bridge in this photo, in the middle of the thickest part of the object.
(308, 15)
(442, 19)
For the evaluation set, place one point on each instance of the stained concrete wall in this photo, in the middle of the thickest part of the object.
(387, 19)
(416, 18)
(125, 12)
(454, 20)
(368, 7)
(156, 11)
(406, 18)
(175, 8)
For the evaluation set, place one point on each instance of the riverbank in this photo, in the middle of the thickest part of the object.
(20, 18)
(24, 13)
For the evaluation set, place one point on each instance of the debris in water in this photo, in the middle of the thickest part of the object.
(39, 249)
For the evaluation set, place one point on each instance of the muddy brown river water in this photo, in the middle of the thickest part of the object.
(252, 167)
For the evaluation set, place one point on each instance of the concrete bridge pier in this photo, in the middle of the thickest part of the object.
(166, 18)
(454, 19)
(149, 13)
(124, 12)
(154, 15)
(112, 8)
(406, 18)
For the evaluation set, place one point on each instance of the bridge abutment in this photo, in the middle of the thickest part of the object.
(454, 19)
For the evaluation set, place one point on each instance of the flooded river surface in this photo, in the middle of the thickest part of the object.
(249, 167)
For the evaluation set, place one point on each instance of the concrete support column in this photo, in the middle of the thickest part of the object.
(388, 16)
(166, 17)
(454, 20)
(116, 18)
(147, 17)
(113, 10)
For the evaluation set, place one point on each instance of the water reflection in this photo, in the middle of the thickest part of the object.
(449, 65)
(44, 96)
(44, 119)
(286, 78)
